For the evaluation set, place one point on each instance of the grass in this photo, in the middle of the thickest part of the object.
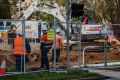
(71, 74)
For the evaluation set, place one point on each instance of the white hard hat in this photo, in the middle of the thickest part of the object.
(44, 29)
(58, 30)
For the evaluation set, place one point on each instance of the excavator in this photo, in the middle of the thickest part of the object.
(93, 34)
(88, 31)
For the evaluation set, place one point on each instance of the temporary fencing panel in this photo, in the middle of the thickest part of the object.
(32, 31)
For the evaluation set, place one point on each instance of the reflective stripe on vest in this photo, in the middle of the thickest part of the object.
(18, 46)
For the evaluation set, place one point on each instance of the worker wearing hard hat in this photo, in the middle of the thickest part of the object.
(20, 50)
(45, 47)
(59, 45)
(11, 34)
(12, 28)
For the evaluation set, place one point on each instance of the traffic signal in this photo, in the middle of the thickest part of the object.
(74, 10)
(80, 9)
(77, 10)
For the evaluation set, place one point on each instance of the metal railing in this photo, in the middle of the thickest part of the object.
(96, 47)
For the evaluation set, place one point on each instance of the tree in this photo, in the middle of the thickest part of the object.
(5, 9)
(108, 12)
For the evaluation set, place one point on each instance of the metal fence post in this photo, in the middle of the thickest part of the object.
(54, 43)
(79, 43)
(68, 34)
(105, 53)
(23, 34)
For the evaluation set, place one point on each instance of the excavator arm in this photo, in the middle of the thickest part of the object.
(53, 10)
(57, 15)
(25, 14)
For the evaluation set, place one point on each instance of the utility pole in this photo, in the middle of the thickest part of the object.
(68, 33)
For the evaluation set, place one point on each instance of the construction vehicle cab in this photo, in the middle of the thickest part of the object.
(90, 30)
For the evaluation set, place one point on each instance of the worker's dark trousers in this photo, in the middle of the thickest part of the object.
(44, 59)
(20, 62)
(57, 54)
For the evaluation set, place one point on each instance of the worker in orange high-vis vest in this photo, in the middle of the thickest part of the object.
(20, 51)
(45, 47)
(59, 45)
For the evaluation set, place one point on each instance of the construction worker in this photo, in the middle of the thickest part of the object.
(12, 28)
(59, 45)
(21, 52)
(45, 47)
(11, 35)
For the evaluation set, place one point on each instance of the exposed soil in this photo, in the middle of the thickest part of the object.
(90, 57)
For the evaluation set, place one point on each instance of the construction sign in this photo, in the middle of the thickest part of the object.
(3, 34)
(3, 31)
(50, 34)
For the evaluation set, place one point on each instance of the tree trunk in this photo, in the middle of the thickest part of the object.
(116, 28)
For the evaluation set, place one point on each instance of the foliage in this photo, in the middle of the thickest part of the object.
(61, 2)
(107, 10)
(5, 9)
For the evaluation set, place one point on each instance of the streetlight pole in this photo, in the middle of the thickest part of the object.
(68, 34)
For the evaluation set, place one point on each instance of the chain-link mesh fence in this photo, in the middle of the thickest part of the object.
(49, 52)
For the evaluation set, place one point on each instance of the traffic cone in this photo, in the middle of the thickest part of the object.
(3, 66)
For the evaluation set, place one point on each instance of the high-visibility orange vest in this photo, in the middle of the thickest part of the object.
(18, 45)
(44, 37)
(59, 41)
